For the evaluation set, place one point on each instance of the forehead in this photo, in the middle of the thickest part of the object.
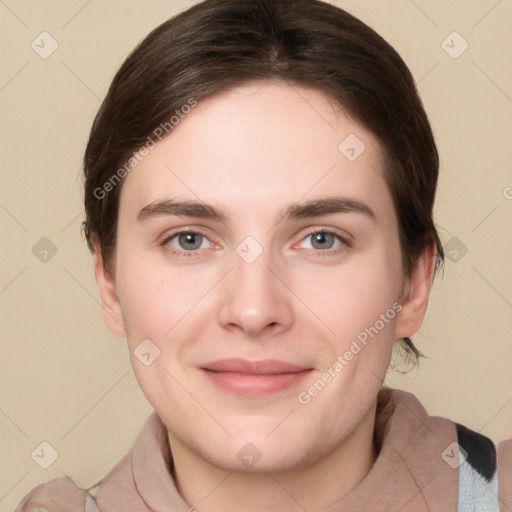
(262, 143)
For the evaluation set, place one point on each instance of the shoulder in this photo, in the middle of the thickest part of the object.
(485, 473)
(113, 492)
(504, 464)
(59, 495)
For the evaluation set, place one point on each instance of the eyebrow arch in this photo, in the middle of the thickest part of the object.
(179, 208)
(314, 208)
(330, 205)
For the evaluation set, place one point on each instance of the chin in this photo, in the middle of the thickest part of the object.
(250, 459)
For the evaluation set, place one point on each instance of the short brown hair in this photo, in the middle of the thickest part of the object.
(218, 44)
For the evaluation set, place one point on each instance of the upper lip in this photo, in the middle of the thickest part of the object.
(245, 366)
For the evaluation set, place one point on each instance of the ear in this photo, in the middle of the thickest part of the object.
(415, 295)
(112, 313)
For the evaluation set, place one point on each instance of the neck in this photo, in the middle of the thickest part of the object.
(314, 487)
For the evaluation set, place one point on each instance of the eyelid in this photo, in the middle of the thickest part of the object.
(172, 233)
(345, 238)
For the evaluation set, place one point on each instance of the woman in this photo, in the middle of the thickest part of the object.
(259, 187)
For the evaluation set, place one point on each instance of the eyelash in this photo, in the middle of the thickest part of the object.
(345, 243)
(180, 252)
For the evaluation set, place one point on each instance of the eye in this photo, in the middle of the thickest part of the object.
(188, 241)
(322, 240)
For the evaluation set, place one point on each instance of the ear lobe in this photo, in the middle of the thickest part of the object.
(415, 295)
(112, 314)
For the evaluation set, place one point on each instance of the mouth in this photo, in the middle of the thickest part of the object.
(254, 378)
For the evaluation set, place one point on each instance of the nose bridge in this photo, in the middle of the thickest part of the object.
(254, 298)
(253, 281)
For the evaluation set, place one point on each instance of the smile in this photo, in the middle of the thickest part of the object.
(254, 378)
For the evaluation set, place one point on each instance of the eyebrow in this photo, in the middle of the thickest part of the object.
(327, 206)
(313, 208)
(180, 208)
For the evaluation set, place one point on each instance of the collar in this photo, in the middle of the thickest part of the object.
(409, 474)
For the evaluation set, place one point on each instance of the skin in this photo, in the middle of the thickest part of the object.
(252, 152)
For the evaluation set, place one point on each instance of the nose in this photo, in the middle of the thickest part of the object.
(254, 299)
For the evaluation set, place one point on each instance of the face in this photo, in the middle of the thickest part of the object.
(258, 263)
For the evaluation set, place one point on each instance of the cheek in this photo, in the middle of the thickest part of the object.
(156, 297)
(351, 297)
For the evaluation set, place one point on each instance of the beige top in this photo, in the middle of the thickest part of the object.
(409, 475)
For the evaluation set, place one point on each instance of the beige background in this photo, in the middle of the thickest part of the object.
(67, 381)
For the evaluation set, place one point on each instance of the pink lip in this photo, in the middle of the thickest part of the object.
(254, 378)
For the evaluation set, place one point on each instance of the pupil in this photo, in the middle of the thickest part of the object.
(190, 241)
(323, 241)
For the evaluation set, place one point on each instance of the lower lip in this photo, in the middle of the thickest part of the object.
(255, 385)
